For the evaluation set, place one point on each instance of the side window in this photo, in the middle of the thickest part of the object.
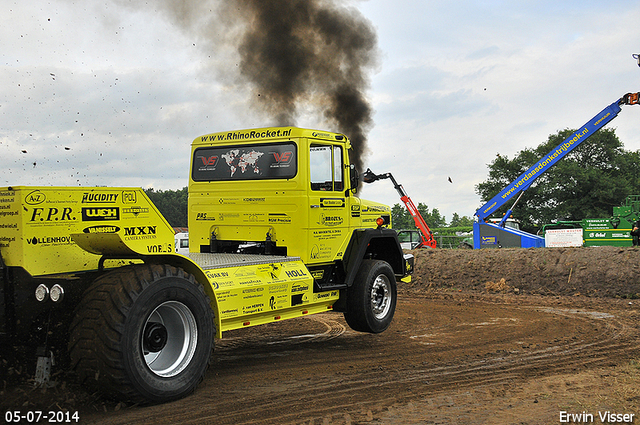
(337, 169)
(326, 171)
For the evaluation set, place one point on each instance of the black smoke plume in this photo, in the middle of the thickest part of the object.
(298, 53)
(295, 55)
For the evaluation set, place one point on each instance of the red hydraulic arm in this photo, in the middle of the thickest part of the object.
(426, 234)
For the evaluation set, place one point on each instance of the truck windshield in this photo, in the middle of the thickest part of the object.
(245, 162)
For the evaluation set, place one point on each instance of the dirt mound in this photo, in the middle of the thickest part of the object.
(594, 271)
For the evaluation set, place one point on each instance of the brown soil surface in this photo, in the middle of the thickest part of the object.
(511, 336)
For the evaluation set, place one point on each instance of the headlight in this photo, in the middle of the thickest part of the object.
(42, 292)
(56, 293)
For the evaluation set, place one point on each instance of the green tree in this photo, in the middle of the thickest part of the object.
(586, 183)
(457, 221)
(433, 217)
(172, 204)
(401, 218)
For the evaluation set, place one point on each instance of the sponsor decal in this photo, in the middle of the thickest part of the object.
(160, 249)
(203, 216)
(546, 162)
(297, 299)
(228, 201)
(330, 220)
(250, 282)
(271, 271)
(135, 211)
(129, 197)
(376, 208)
(295, 274)
(331, 202)
(35, 198)
(282, 159)
(253, 217)
(5, 241)
(489, 240)
(100, 214)
(50, 240)
(254, 308)
(279, 218)
(208, 162)
(252, 290)
(101, 229)
(140, 232)
(282, 287)
(299, 288)
(52, 214)
(251, 293)
(99, 198)
(252, 134)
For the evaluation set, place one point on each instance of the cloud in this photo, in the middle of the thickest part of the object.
(128, 88)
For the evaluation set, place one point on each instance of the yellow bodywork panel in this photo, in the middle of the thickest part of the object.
(37, 225)
(252, 290)
(57, 230)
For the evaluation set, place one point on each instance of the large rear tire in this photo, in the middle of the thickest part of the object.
(371, 300)
(143, 333)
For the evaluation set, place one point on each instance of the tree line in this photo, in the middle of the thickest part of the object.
(401, 218)
(172, 204)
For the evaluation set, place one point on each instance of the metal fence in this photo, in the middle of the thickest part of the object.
(450, 242)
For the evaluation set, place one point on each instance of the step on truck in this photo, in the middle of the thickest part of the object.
(90, 274)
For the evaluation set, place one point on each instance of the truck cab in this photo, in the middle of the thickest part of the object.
(283, 191)
(288, 191)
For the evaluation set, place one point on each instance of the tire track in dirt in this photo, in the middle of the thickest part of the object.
(338, 376)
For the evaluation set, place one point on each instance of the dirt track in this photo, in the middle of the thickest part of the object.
(427, 367)
(473, 352)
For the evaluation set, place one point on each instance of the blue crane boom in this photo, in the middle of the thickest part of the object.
(524, 181)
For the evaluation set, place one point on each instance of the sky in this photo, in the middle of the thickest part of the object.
(103, 93)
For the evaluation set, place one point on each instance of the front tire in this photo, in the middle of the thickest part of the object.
(143, 333)
(371, 300)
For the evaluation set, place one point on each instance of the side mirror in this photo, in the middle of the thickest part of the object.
(354, 177)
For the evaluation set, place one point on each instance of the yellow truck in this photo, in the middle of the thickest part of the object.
(275, 232)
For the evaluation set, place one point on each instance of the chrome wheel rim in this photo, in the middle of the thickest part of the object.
(381, 297)
(169, 356)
